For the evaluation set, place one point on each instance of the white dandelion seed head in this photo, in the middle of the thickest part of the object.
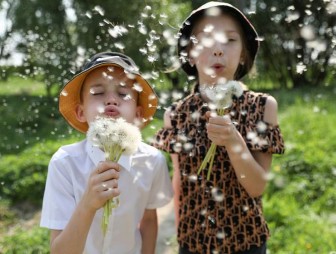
(109, 133)
(221, 94)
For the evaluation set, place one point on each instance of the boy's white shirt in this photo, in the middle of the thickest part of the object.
(144, 183)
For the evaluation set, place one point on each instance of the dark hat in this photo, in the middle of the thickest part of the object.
(70, 95)
(188, 25)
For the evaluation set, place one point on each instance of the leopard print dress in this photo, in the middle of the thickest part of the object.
(217, 216)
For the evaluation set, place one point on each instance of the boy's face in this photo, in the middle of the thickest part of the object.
(217, 50)
(107, 91)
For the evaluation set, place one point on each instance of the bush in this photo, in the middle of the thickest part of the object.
(23, 176)
(34, 241)
(296, 228)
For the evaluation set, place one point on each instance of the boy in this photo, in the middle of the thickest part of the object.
(80, 181)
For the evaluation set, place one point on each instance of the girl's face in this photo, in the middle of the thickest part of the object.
(108, 92)
(217, 48)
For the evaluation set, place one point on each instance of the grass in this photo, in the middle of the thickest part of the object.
(299, 203)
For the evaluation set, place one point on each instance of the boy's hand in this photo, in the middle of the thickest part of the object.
(220, 129)
(102, 185)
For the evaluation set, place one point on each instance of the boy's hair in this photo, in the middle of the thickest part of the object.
(251, 43)
(70, 96)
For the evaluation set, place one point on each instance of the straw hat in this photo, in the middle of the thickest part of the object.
(70, 95)
(188, 25)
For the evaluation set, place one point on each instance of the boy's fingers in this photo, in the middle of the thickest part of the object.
(109, 184)
(106, 165)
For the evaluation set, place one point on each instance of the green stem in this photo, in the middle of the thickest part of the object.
(210, 156)
(114, 154)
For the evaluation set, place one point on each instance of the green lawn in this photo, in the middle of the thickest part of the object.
(299, 203)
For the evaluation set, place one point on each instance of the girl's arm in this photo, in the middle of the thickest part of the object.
(251, 168)
(102, 186)
(176, 187)
(176, 181)
(148, 230)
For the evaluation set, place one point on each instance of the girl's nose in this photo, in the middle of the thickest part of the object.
(218, 51)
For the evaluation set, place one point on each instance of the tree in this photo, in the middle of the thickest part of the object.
(297, 41)
(56, 44)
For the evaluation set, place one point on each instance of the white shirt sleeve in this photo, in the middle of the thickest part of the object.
(161, 191)
(59, 201)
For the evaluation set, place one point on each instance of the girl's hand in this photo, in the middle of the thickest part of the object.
(102, 185)
(221, 130)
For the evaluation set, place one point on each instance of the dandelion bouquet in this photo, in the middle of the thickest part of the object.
(114, 137)
(221, 100)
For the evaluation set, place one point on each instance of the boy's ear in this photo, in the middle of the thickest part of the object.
(139, 112)
(80, 114)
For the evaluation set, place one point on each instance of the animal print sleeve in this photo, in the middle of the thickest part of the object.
(165, 138)
(264, 137)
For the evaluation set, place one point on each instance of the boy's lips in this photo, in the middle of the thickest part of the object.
(111, 111)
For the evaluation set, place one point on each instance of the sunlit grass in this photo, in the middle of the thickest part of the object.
(19, 85)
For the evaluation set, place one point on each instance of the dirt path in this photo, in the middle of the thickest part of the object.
(166, 237)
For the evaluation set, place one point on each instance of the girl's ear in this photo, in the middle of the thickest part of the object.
(191, 62)
(80, 113)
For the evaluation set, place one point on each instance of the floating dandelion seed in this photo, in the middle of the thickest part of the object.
(192, 178)
(137, 87)
(64, 93)
(301, 67)
(119, 45)
(143, 51)
(152, 59)
(99, 10)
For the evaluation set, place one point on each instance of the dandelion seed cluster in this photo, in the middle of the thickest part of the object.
(109, 134)
(221, 94)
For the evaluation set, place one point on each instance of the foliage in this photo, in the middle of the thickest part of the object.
(56, 44)
(301, 50)
(295, 228)
(26, 184)
(34, 241)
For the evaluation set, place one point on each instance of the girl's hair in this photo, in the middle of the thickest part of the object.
(250, 40)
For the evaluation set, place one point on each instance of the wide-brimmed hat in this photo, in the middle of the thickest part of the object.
(70, 95)
(188, 25)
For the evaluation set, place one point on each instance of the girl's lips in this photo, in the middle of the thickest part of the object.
(111, 111)
(217, 66)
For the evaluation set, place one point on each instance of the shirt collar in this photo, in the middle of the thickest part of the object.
(97, 155)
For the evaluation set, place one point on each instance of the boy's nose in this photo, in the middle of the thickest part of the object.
(111, 99)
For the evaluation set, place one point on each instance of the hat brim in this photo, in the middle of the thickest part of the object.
(69, 98)
(189, 23)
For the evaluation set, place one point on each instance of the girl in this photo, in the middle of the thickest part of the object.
(222, 214)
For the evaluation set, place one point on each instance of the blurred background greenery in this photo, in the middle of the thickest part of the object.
(42, 44)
